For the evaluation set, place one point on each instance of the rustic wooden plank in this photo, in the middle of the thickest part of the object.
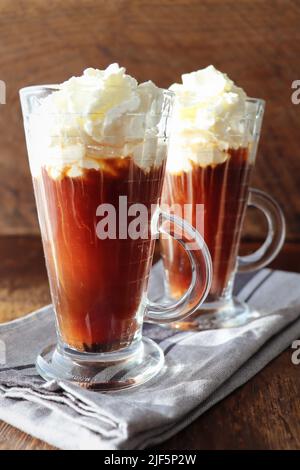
(13, 439)
(254, 41)
(23, 278)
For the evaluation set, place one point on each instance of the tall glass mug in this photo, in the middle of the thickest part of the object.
(216, 198)
(98, 224)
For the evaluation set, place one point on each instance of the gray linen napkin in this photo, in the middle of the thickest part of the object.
(201, 369)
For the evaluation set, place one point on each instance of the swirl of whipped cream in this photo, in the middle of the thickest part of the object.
(101, 114)
(207, 120)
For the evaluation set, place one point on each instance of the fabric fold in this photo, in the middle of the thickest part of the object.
(201, 369)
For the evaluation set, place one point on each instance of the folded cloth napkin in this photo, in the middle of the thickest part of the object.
(201, 369)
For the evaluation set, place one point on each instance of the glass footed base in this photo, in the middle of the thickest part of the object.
(233, 314)
(96, 371)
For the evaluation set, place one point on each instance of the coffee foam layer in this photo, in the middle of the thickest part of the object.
(208, 120)
(103, 112)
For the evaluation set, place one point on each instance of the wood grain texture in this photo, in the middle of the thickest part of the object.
(263, 414)
(23, 278)
(13, 439)
(254, 41)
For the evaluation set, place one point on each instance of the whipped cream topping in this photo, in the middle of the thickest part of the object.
(207, 121)
(101, 114)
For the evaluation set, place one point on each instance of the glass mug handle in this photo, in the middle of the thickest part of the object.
(276, 232)
(201, 264)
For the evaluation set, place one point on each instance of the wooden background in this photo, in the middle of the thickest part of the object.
(255, 41)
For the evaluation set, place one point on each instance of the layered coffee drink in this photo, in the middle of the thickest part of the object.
(222, 189)
(209, 166)
(94, 140)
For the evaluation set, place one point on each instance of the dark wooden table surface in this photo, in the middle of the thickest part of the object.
(262, 414)
(256, 42)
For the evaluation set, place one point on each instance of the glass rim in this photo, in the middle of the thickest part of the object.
(56, 87)
(259, 111)
(251, 99)
(30, 90)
